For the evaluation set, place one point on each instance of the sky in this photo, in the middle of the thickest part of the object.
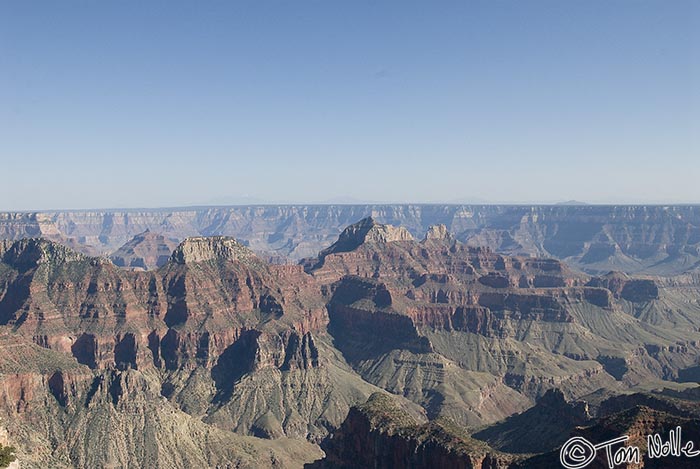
(171, 103)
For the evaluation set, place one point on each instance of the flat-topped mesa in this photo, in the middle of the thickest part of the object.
(438, 233)
(367, 230)
(202, 249)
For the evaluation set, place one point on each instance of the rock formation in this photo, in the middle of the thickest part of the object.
(438, 233)
(147, 250)
(597, 239)
(379, 433)
(218, 357)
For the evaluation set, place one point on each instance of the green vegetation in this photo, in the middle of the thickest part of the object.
(7, 455)
(384, 412)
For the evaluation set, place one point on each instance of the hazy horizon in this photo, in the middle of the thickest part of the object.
(571, 203)
(247, 200)
(255, 201)
(175, 104)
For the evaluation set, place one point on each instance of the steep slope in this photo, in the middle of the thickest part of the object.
(379, 433)
(541, 428)
(62, 414)
(215, 341)
(637, 423)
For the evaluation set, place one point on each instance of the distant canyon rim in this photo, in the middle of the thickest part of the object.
(653, 239)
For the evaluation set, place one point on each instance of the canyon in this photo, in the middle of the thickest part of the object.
(283, 336)
(654, 239)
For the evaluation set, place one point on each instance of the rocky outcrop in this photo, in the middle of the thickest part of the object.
(381, 434)
(219, 248)
(680, 404)
(364, 231)
(27, 253)
(658, 416)
(631, 289)
(637, 423)
(438, 233)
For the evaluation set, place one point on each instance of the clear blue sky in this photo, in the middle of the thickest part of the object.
(146, 104)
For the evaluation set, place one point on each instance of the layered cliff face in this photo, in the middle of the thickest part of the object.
(460, 315)
(215, 342)
(597, 239)
(218, 345)
(62, 414)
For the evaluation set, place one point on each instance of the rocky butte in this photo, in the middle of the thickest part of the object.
(383, 349)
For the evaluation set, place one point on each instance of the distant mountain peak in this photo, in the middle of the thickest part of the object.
(367, 230)
(572, 202)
